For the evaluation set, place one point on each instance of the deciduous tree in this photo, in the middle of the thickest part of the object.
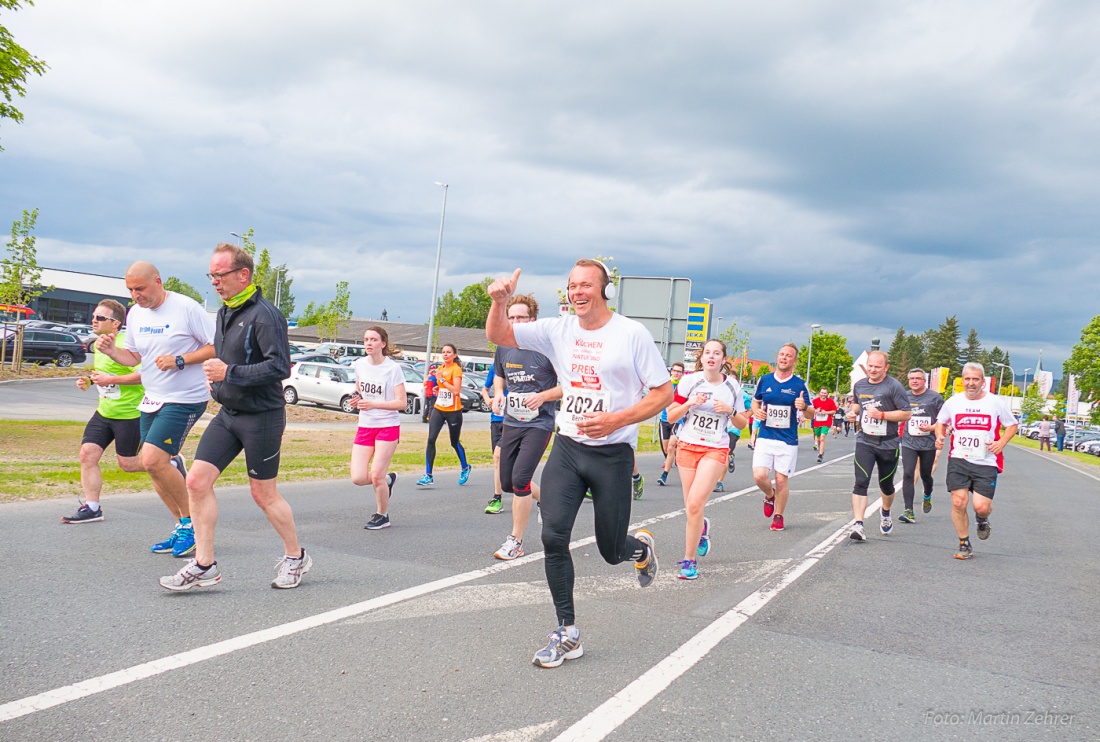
(16, 63)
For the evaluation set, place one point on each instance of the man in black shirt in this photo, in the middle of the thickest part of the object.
(245, 377)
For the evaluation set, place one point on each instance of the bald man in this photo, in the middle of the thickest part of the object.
(169, 335)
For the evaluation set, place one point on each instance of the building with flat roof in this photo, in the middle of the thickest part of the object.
(75, 295)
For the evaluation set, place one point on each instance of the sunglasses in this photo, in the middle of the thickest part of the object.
(101, 318)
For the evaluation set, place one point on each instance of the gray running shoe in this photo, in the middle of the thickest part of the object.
(984, 529)
(857, 533)
(289, 571)
(563, 646)
(191, 576)
(647, 568)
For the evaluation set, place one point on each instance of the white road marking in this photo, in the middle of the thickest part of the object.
(526, 734)
(608, 716)
(1059, 463)
(65, 694)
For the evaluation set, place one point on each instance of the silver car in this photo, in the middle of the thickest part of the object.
(321, 383)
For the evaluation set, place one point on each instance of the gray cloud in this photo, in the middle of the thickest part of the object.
(854, 164)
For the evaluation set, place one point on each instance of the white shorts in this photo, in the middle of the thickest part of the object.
(775, 455)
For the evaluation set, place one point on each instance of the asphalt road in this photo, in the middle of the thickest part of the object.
(417, 633)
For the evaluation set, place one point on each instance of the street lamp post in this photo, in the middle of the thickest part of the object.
(1002, 380)
(810, 352)
(836, 389)
(240, 240)
(435, 284)
(1026, 371)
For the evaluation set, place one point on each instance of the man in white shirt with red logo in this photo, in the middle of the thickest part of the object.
(603, 361)
(982, 425)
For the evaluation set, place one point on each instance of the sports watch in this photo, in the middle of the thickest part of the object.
(179, 362)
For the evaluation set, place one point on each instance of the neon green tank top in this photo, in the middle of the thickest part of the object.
(117, 402)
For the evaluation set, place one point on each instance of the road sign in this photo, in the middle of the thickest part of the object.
(661, 304)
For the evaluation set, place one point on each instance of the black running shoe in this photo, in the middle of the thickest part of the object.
(84, 515)
(377, 522)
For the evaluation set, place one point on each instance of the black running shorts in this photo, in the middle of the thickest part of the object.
(977, 478)
(126, 434)
(258, 434)
(521, 450)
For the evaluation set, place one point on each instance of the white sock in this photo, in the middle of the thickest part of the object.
(93, 506)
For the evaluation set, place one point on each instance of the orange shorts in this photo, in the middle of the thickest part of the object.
(688, 455)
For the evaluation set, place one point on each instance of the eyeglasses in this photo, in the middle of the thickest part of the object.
(101, 318)
(220, 276)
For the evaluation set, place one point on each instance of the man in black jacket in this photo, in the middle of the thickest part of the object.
(245, 377)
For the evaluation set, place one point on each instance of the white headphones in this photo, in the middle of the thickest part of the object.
(608, 292)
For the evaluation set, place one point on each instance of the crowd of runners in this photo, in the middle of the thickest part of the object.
(584, 380)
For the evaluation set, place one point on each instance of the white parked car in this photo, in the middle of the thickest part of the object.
(414, 390)
(321, 383)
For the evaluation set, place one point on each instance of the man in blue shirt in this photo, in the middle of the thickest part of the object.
(779, 397)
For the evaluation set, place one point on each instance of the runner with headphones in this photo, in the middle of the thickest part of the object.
(603, 361)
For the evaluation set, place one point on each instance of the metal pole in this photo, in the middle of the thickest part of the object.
(810, 353)
(836, 389)
(435, 284)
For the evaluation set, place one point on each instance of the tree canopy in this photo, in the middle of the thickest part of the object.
(1084, 361)
(182, 287)
(469, 309)
(327, 317)
(830, 353)
(272, 280)
(20, 274)
(16, 63)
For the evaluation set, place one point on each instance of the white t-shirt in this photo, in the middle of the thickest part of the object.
(975, 424)
(179, 325)
(378, 383)
(604, 370)
(703, 425)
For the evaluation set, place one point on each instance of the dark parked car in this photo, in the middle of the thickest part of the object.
(48, 346)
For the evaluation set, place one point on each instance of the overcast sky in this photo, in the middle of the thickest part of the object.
(860, 165)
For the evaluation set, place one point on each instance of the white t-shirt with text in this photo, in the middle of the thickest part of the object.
(379, 383)
(179, 325)
(604, 370)
(975, 423)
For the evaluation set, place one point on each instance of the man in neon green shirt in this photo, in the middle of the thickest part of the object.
(115, 419)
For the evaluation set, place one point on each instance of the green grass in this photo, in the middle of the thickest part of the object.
(38, 460)
(1067, 455)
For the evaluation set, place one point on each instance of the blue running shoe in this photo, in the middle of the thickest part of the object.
(464, 477)
(185, 542)
(719, 487)
(425, 481)
(165, 547)
(688, 569)
(704, 541)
